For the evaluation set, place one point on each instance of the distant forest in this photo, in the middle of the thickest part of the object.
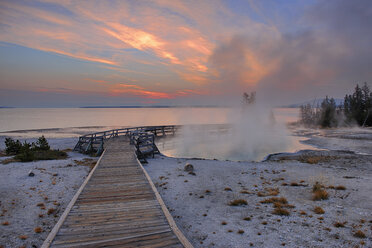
(355, 110)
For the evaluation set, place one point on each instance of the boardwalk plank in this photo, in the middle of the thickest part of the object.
(117, 207)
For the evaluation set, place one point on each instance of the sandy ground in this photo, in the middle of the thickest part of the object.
(200, 203)
(28, 202)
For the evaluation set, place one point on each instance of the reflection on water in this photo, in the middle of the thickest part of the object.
(74, 122)
(174, 147)
(100, 118)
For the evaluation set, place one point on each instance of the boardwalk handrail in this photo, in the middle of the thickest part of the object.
(143, 137)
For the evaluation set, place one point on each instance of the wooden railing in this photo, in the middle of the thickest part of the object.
(143, 138)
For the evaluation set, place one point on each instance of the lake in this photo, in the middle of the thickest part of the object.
(250, 142)
(14, 119)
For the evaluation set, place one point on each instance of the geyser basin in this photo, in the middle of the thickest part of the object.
(229, 144)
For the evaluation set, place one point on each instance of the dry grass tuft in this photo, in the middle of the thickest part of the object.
(268, 192)
(41, 204)
(245, 192)
(5, 223)
(223, 223)
(23, 237)
(240, 231)
(264, 223)
(315, 159)
(38, 229)
(87, 162)
(303, 213)
(281, 200)
(207, 191)
(247, 218)
(317, 186)
(360, 234)
(227, 189)
(51, 211)
(281, 211)
(318, 210)
(338, 224)
(319, 193)
(238, 202)
(341, 187)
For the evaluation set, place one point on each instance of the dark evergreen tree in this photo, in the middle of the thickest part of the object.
(328, 113)
(357, 106)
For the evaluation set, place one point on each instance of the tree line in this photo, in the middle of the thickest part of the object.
(355, 109)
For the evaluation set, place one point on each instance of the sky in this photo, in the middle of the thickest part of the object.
(174, 52)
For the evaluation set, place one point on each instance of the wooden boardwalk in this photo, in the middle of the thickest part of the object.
(117, 207)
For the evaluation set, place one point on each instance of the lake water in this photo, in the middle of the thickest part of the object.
(14, 119)
(73, 122)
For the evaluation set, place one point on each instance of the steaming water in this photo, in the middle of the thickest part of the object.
(174, 147)
(252, 135)
(73, 122)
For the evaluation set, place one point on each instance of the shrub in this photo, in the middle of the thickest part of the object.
(25, 154)
(12, 147)
(41, 144)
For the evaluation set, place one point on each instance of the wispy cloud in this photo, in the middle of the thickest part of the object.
(167, 49)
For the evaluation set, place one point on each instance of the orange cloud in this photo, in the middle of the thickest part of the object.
(177, 39)
(193, 78)
(77, 56)
(140, 40)
(136, 90)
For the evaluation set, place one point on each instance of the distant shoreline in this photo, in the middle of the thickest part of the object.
(164, 106)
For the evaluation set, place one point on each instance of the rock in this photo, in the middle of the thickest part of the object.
(31, 174)
(189, 167)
